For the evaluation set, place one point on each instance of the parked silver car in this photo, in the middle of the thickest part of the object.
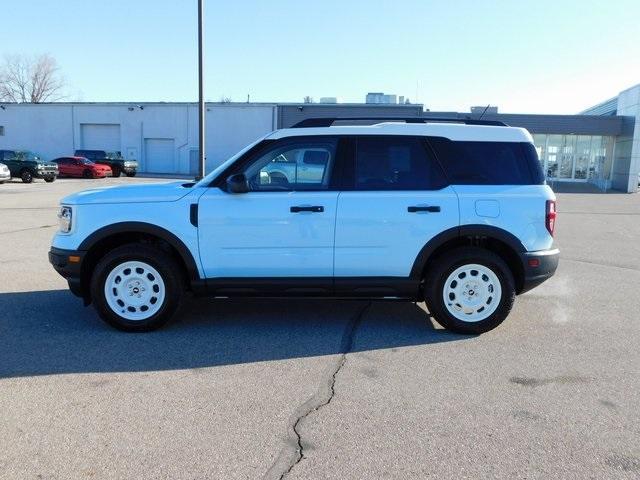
(5, 174)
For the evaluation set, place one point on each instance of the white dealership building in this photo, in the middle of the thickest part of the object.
(600, 146)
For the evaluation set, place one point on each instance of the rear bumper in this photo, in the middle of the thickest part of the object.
(61, 260)
(538, 266)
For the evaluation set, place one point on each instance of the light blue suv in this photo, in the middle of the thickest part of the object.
(454, 214)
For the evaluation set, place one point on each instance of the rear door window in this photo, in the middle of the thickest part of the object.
(488, 163)
(395, 163)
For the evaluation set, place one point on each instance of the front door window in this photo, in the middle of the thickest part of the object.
(300, 165)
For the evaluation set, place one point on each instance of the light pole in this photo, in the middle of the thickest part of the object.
(201, 110)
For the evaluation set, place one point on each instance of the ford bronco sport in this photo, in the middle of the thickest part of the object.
(457, 215)
(27, 165)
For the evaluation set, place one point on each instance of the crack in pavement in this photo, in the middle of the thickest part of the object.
(293, 452)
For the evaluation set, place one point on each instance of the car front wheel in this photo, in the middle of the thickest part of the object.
(49, 179)
(469, 290)
(26, 176)
(136, 288)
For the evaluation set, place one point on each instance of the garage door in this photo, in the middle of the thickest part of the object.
(159, 155)
(100, 136)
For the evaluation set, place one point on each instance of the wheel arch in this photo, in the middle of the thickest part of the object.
(495, 239)
(117, 234)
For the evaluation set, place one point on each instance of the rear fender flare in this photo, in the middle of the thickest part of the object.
(473, 231)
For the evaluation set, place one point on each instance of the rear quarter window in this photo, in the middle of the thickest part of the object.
(488, 163)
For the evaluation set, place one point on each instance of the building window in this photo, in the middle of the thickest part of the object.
(576, 157)
(1, 131)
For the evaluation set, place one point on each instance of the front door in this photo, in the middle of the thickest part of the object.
(76, 167)
(284, 226)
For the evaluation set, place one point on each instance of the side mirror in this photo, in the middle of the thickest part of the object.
(237, 183)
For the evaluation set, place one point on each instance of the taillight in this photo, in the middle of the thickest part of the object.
(551, 215)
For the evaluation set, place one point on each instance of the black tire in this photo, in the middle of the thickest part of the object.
(131, 174)
(437, 275)
(115, 171)
(26, 176)
(87, 174)
(49, 179)
(163, 263)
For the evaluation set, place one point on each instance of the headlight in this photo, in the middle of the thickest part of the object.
(65, 216)
(39, 166)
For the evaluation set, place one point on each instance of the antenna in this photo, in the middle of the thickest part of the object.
(484, 111)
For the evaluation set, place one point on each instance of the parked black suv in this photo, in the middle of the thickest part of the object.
(114, 159)
(28, 165)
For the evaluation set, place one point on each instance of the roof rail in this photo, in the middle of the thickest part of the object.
(329, 121)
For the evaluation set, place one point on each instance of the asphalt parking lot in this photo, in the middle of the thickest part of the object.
(235, 389)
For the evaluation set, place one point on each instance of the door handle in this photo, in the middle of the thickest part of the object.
(315, 208)
(430, 208)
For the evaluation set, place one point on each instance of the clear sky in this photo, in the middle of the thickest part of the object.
(524, 56)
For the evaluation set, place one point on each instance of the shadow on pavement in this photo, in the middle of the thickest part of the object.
(50, 332)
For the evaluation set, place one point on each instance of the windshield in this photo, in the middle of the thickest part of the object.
(216, 171)
(86, 161)
(27, 155)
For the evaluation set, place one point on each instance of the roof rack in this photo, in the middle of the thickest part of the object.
(329, 121)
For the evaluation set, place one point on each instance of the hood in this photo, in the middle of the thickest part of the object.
(153, 192)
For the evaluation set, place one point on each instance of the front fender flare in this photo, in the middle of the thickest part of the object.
(150, 229)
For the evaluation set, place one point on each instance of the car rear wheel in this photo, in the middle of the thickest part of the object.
(26, 176)
(116, 171)
(137, 288)
(469, 290)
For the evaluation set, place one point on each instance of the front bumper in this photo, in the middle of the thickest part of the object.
(46, 173)
(68, 263)
(538, 266)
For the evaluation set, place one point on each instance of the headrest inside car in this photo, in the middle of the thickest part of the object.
(316, 157)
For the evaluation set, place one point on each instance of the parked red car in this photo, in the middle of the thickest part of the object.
(81, 167)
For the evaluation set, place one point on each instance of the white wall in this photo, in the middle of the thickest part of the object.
(54, 130)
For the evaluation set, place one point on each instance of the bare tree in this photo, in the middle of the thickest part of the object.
(30, 79)
(224, 99)
(308, 99)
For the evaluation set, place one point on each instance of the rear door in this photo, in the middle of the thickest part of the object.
(395, 200)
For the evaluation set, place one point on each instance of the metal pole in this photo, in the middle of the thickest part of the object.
(201, 109)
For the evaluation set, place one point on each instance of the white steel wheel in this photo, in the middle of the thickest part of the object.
(471, 293)
(134, 290)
